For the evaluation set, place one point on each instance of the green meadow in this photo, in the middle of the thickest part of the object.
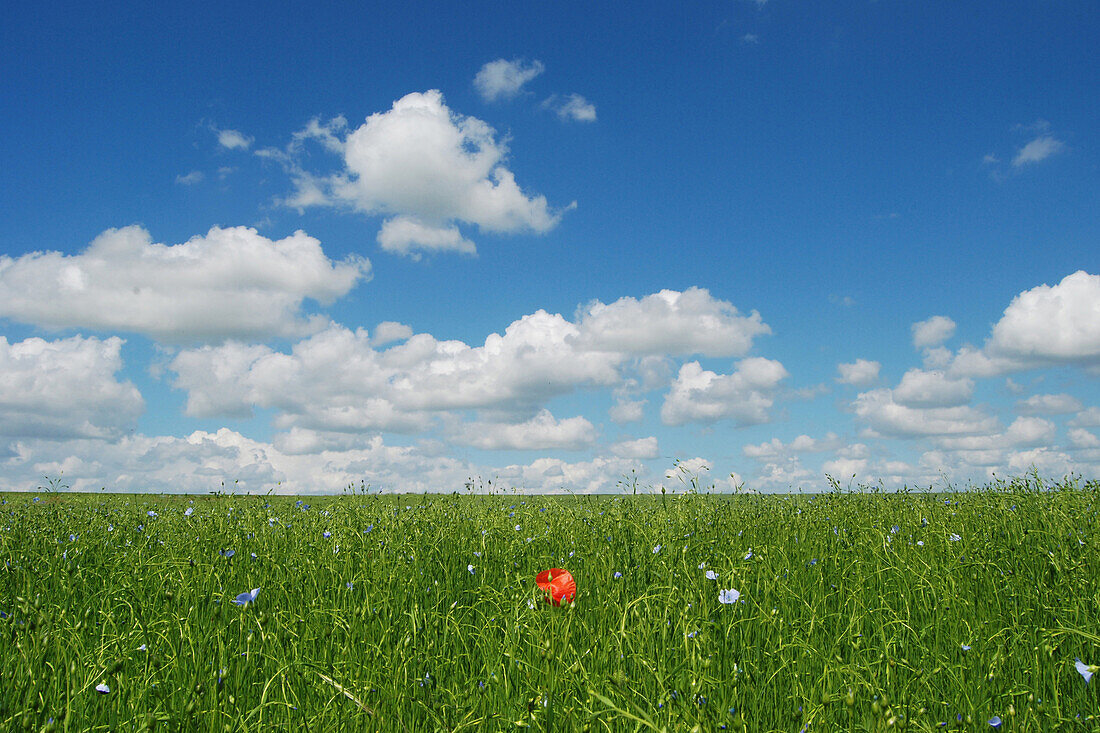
(855, 611)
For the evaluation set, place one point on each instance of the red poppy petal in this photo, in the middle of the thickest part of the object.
(558, 584)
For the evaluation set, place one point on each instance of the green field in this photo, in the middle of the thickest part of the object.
(857, 611)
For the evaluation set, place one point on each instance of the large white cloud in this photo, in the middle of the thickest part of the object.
(340, 380)
(336, 380)
(542, 432)
(1024, 432)
(745, 396)
(921, 388)
(1044, 326)
(65, 389)
(885, 415)
(1052, 324)
(229, 283)
(207, 461)
(670, 322)
(1049, 404)
(427, 168)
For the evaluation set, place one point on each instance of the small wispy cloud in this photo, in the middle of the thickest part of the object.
(232, 139)
(1041, 144)
(191, 178)
(845, 300)
(1038, 150)
(503, 79)
(572, 107)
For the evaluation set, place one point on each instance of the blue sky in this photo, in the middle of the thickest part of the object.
(412, 245)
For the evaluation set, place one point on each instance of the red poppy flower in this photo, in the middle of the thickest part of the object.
(558, 585)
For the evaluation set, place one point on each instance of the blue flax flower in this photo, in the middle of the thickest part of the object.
(728, 595)
(247, 597)
(1086, 670)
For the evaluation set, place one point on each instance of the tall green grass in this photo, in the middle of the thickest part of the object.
(857, 611)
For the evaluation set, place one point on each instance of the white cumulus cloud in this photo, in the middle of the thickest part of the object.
(404, 236)
(860, 373)
(1081, 438)
(886, 416)
(65, 389)
(775, 448)
(1049, 404)
(932, 332)
(1088, 418)
(542, 432)
(670, 322)
(1055, 324)
(228, 283)
(921, 388)
(745, 396)
(425, 167)
(339, 380)
(638, 448)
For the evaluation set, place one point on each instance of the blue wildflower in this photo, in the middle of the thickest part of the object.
(247, 597)
(728, 595)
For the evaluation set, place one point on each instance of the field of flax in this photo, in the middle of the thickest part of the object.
(865, 611)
